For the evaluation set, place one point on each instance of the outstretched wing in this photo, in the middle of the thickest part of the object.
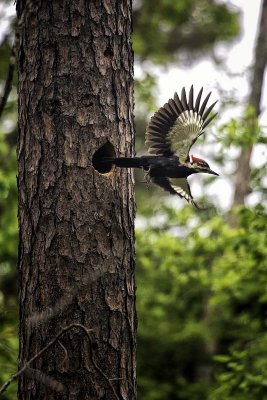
(176, 186)
(176, 126)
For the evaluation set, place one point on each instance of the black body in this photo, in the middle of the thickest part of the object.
(156, 166)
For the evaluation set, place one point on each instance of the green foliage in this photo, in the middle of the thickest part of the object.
(244, 132)
(8, 202)
(200, 289)
(244, 372)
(163, 28)
(8, 235)
(146, 93)
(8, 256)
(8, 344)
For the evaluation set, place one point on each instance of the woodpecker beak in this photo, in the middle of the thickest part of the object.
(212, 172)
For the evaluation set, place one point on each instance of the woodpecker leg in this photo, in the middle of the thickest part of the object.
(147, 177)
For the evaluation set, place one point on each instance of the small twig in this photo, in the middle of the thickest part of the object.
(64, 361)
(9, 79)
(53, 341)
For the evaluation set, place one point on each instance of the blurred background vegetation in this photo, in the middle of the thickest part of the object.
(201, 277)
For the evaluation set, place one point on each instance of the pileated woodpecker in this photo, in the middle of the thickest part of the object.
(171, 132)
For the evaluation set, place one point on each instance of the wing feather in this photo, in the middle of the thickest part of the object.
(209, 120)
(205, 101)
(176, 186)
(181, 187)
(177, 125)
(198, 100)
(178, 103)
(206, 113)
(191, 98)
(173, 107)
(184, 99)
(164, 183)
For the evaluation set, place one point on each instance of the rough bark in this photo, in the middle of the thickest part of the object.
(76, 260)
(243, 166)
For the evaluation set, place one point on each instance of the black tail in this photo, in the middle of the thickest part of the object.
(126, 162)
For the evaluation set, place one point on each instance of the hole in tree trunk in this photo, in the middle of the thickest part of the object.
(98, 160)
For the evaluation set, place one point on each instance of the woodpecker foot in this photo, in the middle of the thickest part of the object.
(199, 207)
(147, 177)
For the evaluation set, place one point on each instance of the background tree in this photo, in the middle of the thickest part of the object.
(243, 166)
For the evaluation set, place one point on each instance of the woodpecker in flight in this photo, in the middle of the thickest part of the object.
(171, 132)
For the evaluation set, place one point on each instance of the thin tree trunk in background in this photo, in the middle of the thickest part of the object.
(76, 252)
(243, 165)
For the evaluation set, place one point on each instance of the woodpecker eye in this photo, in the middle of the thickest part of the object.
(203, 164)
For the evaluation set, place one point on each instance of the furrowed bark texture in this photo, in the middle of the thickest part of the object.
(243, 165)
(76, 252)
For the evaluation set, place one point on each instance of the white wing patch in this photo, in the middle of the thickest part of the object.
(181, 187)
(187, 127)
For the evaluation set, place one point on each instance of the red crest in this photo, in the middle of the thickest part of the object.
(196, 159)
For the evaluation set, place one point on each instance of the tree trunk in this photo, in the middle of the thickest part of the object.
(76, 251)
(243, 165)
